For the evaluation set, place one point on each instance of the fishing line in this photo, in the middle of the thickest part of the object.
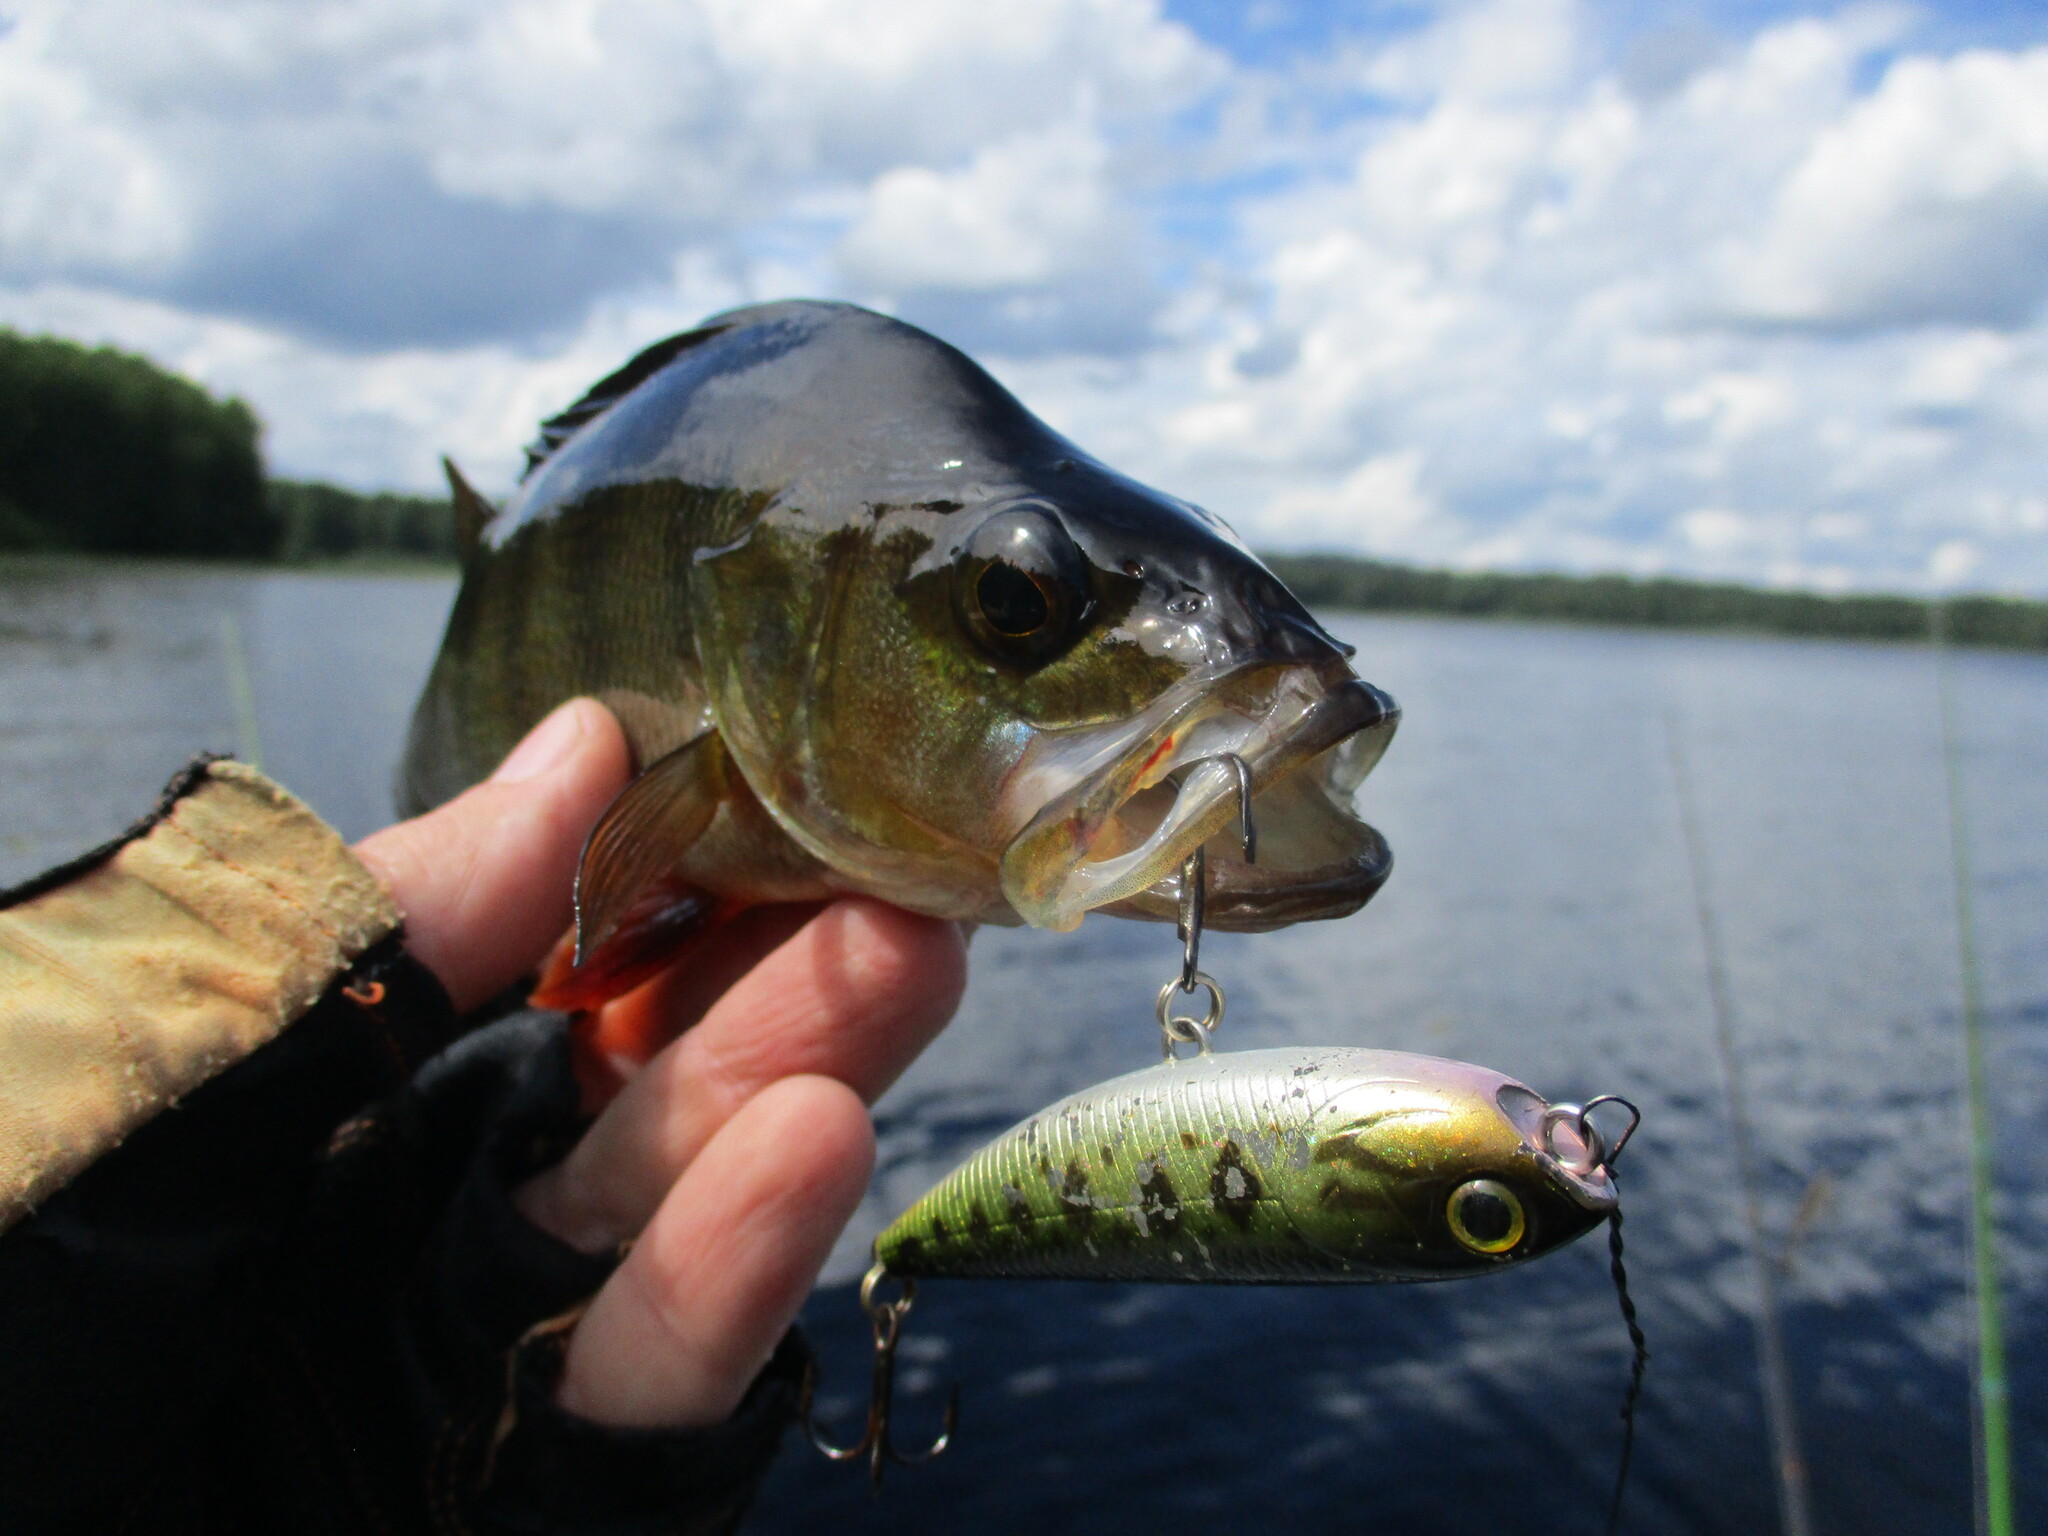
(1636, 1366)
(235, 656)
(1991, 1437)
(1795, 1509)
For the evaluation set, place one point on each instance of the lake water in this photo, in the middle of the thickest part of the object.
(1540, 921)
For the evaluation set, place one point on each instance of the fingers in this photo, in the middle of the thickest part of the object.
(854, 996)
(692, 1315)
(629, 1031)
(485, 882)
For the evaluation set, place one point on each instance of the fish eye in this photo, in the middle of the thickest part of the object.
(1024, 586)
(1486, 1216)
(1011, 601)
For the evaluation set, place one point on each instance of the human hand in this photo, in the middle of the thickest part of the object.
(738, 1153)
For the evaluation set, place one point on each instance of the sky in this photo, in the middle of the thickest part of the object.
(1736, 290)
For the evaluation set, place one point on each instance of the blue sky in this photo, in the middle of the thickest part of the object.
(1747, 290)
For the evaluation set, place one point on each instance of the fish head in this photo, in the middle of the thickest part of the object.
(1433, 1169)
(1226, 688)
(977, 672)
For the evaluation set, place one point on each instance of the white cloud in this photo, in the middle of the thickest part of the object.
(1952, 561)
(1502, 51)
(80, 188)
(1025, 210)
(1926, 201)
(1955, 371)
(383, 419)
(1522, 281)
(1764, 305)
(407, 172)
(1734, 406)
(1380, 504)
(1718, 531)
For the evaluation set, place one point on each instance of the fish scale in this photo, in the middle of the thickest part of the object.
(1274, 1166)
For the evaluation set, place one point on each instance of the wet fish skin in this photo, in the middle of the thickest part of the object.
(761, 531)
(1253, 1167)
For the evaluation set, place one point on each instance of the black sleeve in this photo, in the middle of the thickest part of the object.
(302, 1301)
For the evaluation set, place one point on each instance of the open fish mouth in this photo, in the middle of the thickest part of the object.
(1120, 807)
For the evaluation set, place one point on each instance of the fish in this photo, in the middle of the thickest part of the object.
(1276, 1166)
(873, 628)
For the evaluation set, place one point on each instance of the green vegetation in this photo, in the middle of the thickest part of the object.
(325, 522)
(1373, 586)
(104, 452)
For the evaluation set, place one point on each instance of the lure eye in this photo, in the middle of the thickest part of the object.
(1024, 587)
(1486, 1216)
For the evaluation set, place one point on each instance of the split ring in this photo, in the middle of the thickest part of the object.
(1185, 1029)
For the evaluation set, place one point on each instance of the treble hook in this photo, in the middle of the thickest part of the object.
(1247, 829)
(1194, 875)
(886, 1318)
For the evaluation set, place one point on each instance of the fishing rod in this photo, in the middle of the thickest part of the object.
(235, 658)
(1781, 1421)
(1991, 1435)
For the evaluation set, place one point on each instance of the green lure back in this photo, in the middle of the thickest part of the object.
(1265, 1167)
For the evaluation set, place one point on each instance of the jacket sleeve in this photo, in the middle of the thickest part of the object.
(263, 1271)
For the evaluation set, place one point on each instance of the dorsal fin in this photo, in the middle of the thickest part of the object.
(607, 391)
(472, 512)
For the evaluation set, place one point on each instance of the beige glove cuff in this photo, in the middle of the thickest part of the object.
(139, 973)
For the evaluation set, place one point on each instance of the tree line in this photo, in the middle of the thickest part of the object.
(104, 452)
(1376, 586)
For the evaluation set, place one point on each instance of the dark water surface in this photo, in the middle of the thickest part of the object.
(1540, 921)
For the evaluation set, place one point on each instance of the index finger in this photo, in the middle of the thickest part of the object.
(854, 995)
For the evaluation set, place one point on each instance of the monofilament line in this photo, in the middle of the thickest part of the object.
(1795, 1508)
(1990, 1429)
(235, 658)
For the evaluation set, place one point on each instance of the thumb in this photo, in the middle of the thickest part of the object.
(485, 881)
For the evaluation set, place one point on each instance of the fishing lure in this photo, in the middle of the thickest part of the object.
(1315, 1165)
(1265, 1167)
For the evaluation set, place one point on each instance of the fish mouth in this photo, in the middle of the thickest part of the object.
(1121, 807)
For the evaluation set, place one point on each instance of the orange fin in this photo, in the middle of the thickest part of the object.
(618, 1024)
(641, 944)
(642, 836)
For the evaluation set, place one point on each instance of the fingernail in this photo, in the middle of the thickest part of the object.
(546, 747)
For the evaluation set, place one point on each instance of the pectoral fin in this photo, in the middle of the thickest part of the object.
(632, 910)
(644, 834)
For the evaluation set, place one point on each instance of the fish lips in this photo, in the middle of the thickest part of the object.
(1143, 795)
(1246, 898)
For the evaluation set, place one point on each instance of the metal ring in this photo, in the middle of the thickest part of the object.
(873, 1278)
(1588, 1133)
(1635, 1119)
(1185, 1029)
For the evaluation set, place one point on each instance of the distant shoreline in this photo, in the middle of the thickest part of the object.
(358, 563)
(1356, 585)
(1347, 583)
